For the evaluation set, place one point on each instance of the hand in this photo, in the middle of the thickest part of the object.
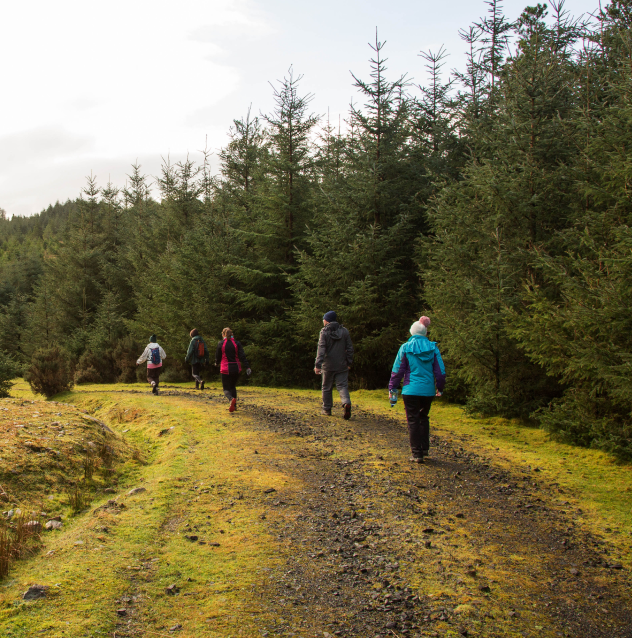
(438, 394)
(348, 367)
(249, 372)
(318, 371)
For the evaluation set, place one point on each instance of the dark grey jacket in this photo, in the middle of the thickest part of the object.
(335, 350)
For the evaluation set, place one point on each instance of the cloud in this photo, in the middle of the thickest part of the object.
(41, 145)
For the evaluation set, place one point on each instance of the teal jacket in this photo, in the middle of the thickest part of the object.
(420, 367)
(193, 356)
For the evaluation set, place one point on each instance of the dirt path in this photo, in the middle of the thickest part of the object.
(456, 546)
(276, 521)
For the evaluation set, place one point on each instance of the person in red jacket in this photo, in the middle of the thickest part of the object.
(231, 358)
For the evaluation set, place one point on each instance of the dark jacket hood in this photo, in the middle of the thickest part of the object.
(334, 330)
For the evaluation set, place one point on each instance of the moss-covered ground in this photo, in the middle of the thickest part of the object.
(275, 520)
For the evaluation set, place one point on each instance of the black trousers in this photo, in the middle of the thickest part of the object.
(196, 371)
(229, 383)
(417, 410)
(153, 374)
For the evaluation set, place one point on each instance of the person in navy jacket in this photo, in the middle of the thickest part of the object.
(420, 370)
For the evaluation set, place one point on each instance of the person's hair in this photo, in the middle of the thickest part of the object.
(194, 332)
(227, 333)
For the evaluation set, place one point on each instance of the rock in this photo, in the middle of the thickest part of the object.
(109, 490)
(391, 625)
(176, 627)
(616, 566)
(574, 571)
(428, 544)
(172, 590)
(34, 527)
(122, 611)
(192, 538)
(428, 530)
(35, 592)
(53, 524)
(460, 515)
(136, 490)
(269, 490)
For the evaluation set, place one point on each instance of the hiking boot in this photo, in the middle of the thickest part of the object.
(416, 459)
(154, 389)
(202, 385)
(197, 384)
(325, 412)
(233, 405)
(346, 411)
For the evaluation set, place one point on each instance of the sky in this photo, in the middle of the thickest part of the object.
(91, 88)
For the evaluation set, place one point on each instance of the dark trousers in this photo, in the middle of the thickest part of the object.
(196, 370)
(153, 374)
(341, 379)
(417, 410)
(229, 383)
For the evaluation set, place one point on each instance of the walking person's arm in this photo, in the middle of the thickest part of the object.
(187, 359)
(321, 351)
(438, 369)
(163, 354)
(242, 356)
(400, 368)
(143, 357)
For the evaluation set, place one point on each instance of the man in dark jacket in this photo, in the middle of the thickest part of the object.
(197, 356)
(333, 360)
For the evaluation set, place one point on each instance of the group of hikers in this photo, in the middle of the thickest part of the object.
(418, 368)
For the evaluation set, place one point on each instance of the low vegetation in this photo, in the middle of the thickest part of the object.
(275, 521)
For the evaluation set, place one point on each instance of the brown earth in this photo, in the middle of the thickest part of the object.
(375, 546)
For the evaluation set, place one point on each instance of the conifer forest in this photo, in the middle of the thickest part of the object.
(495, 199)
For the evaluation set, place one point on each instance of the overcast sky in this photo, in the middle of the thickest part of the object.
(94, 86)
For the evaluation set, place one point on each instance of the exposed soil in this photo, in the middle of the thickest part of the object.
(378, 546)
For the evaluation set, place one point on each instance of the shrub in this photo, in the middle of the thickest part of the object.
(125, 355)
(50, 372)
(96, 367)
(9, 369)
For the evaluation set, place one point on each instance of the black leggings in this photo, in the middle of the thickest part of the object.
(229, 383)
(417, 409)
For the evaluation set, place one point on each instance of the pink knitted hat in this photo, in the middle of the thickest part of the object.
(425, 321)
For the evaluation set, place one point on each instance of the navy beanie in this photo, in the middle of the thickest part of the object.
(330, 316)
(152, 339)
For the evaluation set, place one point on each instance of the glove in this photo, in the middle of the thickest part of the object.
(392, 397)
(249, 372)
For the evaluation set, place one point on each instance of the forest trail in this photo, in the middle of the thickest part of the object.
(276, 521)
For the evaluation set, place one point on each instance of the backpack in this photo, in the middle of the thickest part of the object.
(200, 352)
(155, 356)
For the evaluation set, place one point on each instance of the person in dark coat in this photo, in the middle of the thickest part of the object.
(197, 356)
(231, 358)
(334, 357)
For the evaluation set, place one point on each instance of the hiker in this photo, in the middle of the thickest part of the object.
(197, 356)
(419, 365)
(334, 357)
(154, 355)
(230, 356)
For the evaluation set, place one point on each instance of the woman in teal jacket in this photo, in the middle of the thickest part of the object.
(420, 368)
